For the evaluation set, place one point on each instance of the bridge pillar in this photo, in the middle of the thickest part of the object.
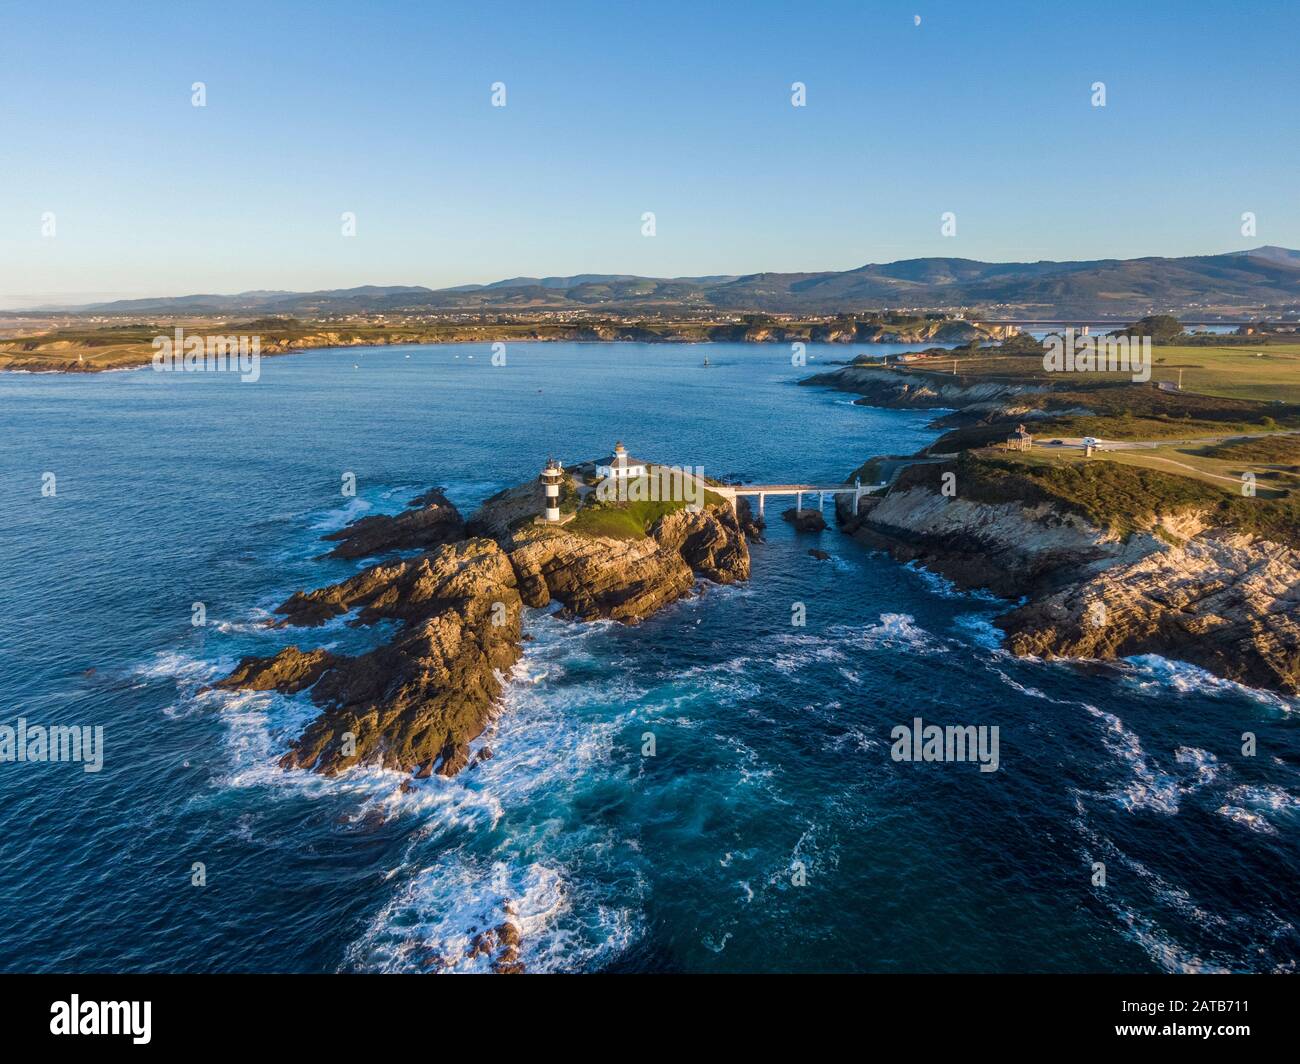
(821, 500)
(798, 501)
(761, 499)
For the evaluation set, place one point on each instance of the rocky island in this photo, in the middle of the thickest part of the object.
(417, 702)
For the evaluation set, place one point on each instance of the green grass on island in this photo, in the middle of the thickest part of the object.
(631, 519)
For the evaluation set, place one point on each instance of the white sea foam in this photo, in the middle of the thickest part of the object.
(176, 665)
(804, 650)
(552, 741)
(1247, 805)
(433, 921)
(899, 631)
(980, 630)
(1150, 787)
(940, 585)
(342, 516)
(1156, 676)
(1167, 954)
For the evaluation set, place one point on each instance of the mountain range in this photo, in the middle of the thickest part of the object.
(1241, 281)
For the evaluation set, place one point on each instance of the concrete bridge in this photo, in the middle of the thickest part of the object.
(857, 489)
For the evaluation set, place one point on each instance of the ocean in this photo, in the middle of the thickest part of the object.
(771, 830)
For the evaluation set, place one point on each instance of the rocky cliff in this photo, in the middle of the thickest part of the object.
(908, 390)
(624, 579)
(1182, 586)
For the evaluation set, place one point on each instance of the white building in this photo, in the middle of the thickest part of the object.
(620, 465)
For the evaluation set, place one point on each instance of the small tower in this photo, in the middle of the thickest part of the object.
(550, 478)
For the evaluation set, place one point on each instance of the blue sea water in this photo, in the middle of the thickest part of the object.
(772, 741)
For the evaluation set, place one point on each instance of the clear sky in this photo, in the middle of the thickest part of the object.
(614, 109)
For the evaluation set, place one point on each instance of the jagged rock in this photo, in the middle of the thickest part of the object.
(751, 524)
(417, 702)
(414, 703)
(434, 521)
(805, 520)
(483, 944)
(820, 555)
(1224, 600)
(710, 541)
(289, 671)
(881, 387)
(454, 757)
(624, 580)
(508, 963)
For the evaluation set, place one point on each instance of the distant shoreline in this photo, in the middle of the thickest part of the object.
(132, 347)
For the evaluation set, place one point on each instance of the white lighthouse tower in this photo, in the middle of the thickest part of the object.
(550, 478)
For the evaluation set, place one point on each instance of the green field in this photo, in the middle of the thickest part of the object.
(1266, 373)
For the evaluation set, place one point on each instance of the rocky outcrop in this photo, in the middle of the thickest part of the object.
(710, 541)
(906, 390)
(418, 701)
(1009, 548)
(624, 579)
(432, 522)
(596, 576)
(804, 520)
(290, 671)
(751, 523)
(1226, 601)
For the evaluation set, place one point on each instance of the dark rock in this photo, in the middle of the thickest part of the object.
(820, 555)
(435, 521)
(415, 703)
(805, 520)
(289, 671)
(751, 523)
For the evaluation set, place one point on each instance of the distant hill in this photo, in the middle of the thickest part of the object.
(1242, 280)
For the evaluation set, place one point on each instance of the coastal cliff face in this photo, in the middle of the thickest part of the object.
(1225, 601)
(1221, 599)
(623, 579)
(878, 386)
(1007, 547)
(416, 703)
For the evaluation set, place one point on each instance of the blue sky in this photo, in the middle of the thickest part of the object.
(614, 109)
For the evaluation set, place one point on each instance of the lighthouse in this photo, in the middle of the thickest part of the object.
(550, 478)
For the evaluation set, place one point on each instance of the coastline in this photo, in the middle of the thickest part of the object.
(1189, 581)
(48, 353)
